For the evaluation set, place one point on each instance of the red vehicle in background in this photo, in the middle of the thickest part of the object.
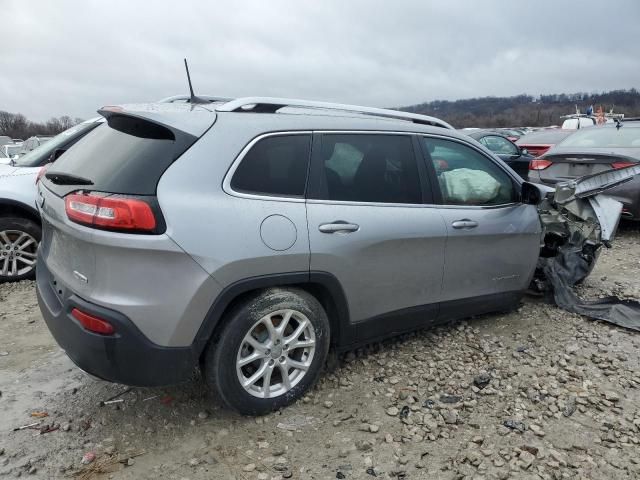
(538, 143)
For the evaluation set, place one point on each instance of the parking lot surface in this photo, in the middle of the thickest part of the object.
(534, 393)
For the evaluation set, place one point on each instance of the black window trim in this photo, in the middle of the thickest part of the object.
(315, 191)
(426, 157)
(226, 183)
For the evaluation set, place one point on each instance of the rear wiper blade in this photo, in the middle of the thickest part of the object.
(67, 179)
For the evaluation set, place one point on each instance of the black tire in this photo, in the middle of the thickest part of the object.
(220, 359)
(25, 225)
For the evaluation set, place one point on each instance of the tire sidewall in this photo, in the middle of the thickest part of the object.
(220, 362)
(27, 226)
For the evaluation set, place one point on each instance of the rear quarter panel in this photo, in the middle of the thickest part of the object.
(222, 232)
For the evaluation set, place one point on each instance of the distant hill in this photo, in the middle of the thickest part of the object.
(526, 110)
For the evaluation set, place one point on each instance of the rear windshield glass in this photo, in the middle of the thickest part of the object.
(596, 137)
(40, 155)
(549, 137)
(127, 155)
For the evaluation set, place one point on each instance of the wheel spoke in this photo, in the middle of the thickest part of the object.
(252, 357)
(20, 238)
(301, 327)
(5, 266)
(285, 321)
(256, 376)
(4, 239)
(273, 333)
(29, 254)
(260, 347)
(301, 344)
(266, 382)
(284, 372)
(14, 266)
(297, 365)
(24, 245)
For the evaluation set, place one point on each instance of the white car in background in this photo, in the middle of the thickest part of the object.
(19, 219)
(10, 151)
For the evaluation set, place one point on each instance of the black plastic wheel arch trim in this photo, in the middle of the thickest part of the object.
(302, 279)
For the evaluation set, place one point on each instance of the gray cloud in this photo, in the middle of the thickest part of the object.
(71, 57)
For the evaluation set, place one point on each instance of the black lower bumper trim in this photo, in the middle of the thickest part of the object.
(127, 357)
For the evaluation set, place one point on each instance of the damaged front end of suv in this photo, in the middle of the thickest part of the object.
(577, 219)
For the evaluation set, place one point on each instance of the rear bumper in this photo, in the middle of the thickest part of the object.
(126, 357)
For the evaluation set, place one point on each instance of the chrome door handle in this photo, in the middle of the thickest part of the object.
(338, 227)
(464, 223)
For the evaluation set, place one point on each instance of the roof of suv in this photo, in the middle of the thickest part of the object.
(293, 114)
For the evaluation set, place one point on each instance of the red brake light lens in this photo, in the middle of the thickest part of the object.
(125, 214)
(618, 165)
(93, 324)
(41, 172)
(539, 164)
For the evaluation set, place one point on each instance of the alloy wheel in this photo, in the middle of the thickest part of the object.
(276, 353)
(17, 253)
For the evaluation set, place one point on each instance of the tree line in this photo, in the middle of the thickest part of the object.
(16, 125)
(526, 110)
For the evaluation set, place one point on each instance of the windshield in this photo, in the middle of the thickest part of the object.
(39, 156)
(604, 137)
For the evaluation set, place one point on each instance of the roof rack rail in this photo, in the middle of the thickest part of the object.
(272, 105)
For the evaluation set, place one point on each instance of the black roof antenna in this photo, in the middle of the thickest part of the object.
(193, 99)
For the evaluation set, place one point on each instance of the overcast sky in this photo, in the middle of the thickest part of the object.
(71, 57)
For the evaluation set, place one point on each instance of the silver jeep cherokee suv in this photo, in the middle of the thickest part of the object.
(247, 237)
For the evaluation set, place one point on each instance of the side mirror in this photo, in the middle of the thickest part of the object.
(524, 151)
(532, 194)
(57, 153)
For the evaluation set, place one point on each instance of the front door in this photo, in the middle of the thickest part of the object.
(493, 240)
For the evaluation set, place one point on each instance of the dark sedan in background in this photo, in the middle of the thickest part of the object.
(514, 156)
(594, 150)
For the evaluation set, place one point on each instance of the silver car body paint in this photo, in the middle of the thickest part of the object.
(18, 185)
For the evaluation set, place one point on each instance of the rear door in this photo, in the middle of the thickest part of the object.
(373, 226)
(493, 240)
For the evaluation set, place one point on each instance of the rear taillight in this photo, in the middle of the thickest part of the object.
(618, 165)
(539, 164)
(41, 172)
(112, 213)
(92, 323)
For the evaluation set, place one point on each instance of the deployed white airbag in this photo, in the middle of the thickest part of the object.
(464, 185)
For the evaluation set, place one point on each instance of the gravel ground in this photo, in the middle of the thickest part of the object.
(536, 393)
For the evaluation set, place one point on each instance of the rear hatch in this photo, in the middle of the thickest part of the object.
(99, 199)
(569, 166)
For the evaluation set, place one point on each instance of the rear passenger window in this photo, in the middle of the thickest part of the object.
(466, 177)
(369, 168)
(275, 165)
